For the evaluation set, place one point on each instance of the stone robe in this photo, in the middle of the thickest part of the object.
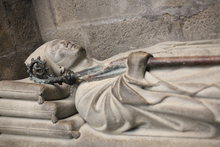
(183, 101)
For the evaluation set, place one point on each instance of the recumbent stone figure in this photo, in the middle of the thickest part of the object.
(179, 101)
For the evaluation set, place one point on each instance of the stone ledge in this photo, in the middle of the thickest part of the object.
(89, 138)
(65, 129)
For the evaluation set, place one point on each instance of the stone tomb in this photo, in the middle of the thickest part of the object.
(34, 114)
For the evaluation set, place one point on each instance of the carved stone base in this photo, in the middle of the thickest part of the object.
(89, 138)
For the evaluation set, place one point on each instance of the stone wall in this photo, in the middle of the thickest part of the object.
(103, 27)
(19, 36)
(108, 27)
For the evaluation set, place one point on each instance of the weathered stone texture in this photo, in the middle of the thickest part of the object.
(106, 28)
(205, 25)
(19, 36)
(90, 10)
(91, 138)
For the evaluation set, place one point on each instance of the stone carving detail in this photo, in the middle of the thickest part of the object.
(175, 101)
(112, 105)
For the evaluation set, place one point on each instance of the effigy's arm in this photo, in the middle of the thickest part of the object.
(38, 71)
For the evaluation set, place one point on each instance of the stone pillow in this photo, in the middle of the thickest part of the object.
(27, 90)
(67, 128)
(49, 110)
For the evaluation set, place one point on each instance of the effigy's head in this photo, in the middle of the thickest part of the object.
(64, 53)
(59, 53)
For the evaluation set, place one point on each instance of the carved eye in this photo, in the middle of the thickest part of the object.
(62, 55)
(64, 43)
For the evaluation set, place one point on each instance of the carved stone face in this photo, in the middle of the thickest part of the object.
(65, 53)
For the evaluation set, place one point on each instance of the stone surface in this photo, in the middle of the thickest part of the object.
(66, 128)
(106, 28)
(19, 36)
(128, 109)
(91, 138)
(135, 101)
(89, 10)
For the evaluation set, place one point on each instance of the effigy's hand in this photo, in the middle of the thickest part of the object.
(69, 77)
(137, 66)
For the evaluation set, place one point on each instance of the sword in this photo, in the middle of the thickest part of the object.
(39, 72)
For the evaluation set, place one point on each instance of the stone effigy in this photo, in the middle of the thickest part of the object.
(168, 102)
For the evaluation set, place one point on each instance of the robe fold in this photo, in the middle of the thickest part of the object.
(183, 102)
